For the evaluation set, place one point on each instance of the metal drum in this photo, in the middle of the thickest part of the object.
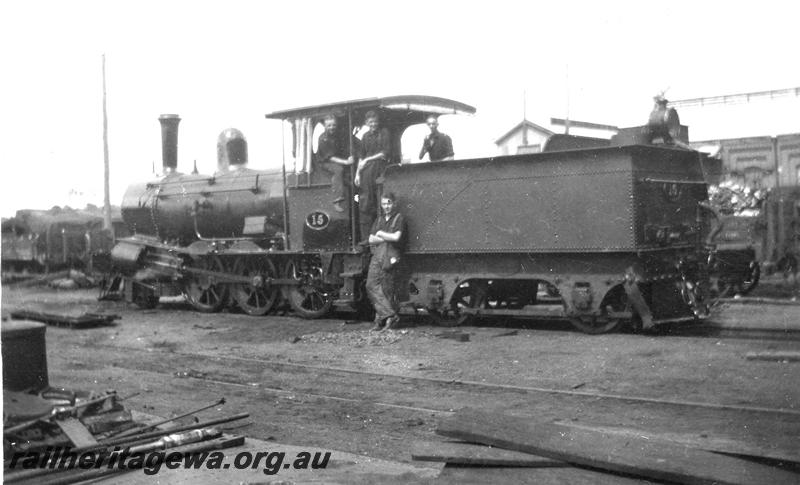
(24, 356)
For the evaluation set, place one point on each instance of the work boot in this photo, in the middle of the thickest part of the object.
(391, 322)
(378, 326)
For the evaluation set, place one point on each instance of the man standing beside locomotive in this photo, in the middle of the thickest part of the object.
(386, 242)
(376, 150)
(437, 145)
(334, 157)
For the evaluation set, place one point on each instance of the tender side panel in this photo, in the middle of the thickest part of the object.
(567, 202)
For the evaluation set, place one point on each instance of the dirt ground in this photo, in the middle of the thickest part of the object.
(333, 384)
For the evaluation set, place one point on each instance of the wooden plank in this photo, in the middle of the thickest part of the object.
(716, 444)
(80, 321)
(775, 356)
(460, 453)
(456, 335)
(624, 454)
(76, 432)
(461, 475)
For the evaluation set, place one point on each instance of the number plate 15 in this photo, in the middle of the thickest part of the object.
(317, 220)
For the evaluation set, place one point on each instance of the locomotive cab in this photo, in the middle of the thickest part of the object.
(309, 186)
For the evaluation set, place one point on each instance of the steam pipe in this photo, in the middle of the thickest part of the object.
(354, 228)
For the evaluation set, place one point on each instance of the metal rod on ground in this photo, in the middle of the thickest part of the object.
(155, 434)
(128, 442)
(216, 444)
(55, 413)
(173, 440)
(129, 396)
(132, 432)
(196, 439)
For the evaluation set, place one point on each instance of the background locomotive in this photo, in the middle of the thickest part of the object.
(599, 232)
(751, 230)
(44, 241)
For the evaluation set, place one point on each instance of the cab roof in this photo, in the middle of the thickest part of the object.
(416, 105)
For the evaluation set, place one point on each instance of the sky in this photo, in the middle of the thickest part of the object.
(225, 64)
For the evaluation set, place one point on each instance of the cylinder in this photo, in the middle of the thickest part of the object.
(169, 142)
(126, 255)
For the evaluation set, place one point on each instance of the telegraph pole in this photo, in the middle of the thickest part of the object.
(106, 197)
(566, 117)
(524, 117)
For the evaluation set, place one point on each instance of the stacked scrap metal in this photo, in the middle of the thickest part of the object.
(44, 426)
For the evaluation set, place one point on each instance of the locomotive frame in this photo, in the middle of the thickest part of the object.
(603, 234)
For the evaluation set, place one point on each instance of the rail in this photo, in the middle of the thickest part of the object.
(651, 180)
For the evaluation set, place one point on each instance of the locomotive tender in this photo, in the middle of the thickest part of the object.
(595, 231)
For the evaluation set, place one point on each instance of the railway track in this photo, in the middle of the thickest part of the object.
(325, 371)
(287, 396)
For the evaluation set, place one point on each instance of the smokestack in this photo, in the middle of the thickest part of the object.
(169, 142)
(231, 150)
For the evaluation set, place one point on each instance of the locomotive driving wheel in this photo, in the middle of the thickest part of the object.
(203, 292)
(310, 298)
(258, 297)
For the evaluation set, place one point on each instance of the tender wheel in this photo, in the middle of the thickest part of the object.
(751, 280)
(203, 292)
(595, 325)
(258, 297)
(470, 294)
(310, 298)
(616, 300)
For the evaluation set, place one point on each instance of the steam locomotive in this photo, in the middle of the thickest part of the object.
(44, 241)
(599, 232)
